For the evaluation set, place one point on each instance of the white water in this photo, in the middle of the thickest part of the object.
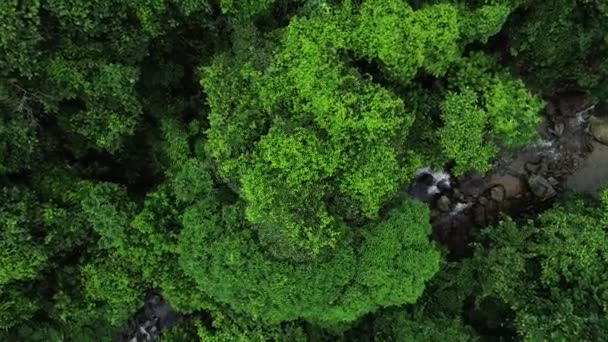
(432, 190)
(460, 207)
(438, 176)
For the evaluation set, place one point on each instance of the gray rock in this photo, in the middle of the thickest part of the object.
(550, 109)
(553, 181)
(598, 127)
(593, 172)
(483, 200)
(570, 105)
(559, 128)
(479, 215)
(435, 213)
(512, 185)
(497, 193)
(443, 203)
(458, 195)
(444, 185)
(541, 187)
(472, 185)
(532, 168)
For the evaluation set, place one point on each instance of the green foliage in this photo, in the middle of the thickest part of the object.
(396, 256)
(18, 144)
(304, 119)
(562, 41)
(111, 282)
(22, 255)
(488, 20)
(462, 135)
(108, 91)
(390, 268)
(398, 325)
(546, 273)
(16, 306)
(246, 160)
(19, 37)
(245, 8)
(153, 251)
(228, 327)
(109, 212)
(512, 112)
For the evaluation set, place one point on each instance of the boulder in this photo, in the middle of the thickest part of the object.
(512, 185)
(497, 193)
(598, 127)
(541, 187)
(533, 168)
(443, 203)
(479, 215)
(558, 129)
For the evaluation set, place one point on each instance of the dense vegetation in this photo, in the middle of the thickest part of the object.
(246, 159)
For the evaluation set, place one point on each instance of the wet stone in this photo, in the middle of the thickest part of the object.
(472, 185)
(541, 187)
(559, 129)
(435, 213)
(550, 109)
(491, 208)
(511, 184)
(553, 181)
(444, 185)
(599, 129)
(483, 201)
(497, 193)
(426, 179)
(532, 168)
(479, 215)
(458, 195)
(443, 203)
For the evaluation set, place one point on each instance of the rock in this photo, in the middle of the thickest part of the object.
(592, 173)
(497, 193)
(458, 195)
(571, 104)
(472, 185)
(511, 184)
(550, 109)
(558, 129)
(483, 200)
(553, 181)
(426, 179)
(598, 127)
(479, 215)
(532, 168)
(460, 207)
(491, 209)
(541, 187)
(435, 213)
(443, 203)
(516, 167)
(444, 185)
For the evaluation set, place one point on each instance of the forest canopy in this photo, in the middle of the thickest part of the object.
(249, 162)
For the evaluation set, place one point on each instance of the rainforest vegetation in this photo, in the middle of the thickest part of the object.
(247, 159)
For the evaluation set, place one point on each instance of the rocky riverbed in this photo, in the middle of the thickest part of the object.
(572, 156)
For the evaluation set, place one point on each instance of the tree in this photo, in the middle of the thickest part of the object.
(390, 267)
(22, 254)
(311, 142)
(541, 279)
(562, 44)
